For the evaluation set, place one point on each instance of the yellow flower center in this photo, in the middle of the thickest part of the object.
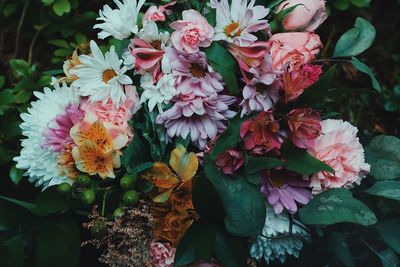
(108, 75)
(233, 30)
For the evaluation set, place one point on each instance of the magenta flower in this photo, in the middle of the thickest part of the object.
(57, 135)
(305, 126)
(162, 254)
(230, 161)
(284, 190)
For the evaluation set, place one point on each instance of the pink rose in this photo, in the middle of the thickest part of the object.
(162, 254)
(192, 32)
(230, 161)
(305, 126)
(306, 17)
(157, 13)
(339, 147)
(293, 49)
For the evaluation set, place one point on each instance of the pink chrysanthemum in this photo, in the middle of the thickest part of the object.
(57, 135)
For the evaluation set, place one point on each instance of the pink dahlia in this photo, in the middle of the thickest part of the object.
(284, 190)
(339, 147)
(230, 161)
(261, 92)
(201, 118)
(162, 254)
(194, 75)
(57, 135)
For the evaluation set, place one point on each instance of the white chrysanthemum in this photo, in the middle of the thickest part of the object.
(101, 77)
(157, 94)
(280, 237)
(119, 23)
(150, 34)
(41, 163)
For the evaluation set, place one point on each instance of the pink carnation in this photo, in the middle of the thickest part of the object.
(192, 32)
(339, 147)
(119, 116)
(293, 49)
(162, 254)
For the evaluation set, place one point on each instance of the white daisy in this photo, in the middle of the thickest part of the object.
(157, 94)
(101, 77)
(280, 237)
(235, 23)
(41, 163)
(150, 34)
(119, 23)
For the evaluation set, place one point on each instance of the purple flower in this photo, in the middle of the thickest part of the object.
(284, 190)
(57, 135)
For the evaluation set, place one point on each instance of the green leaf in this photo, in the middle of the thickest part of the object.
(50, 201)
(26, 205)
(356, 40)
(300, 161)
(2, 81)
(61, 6)
(338, 245)
(320, 89)
(197, 243)
(243, 202)
(63, 235)
(15, 175)
(225, 64)
(386, 189)
(228, 139)
(255, 164)
(133, 155)
(47, 2)
(389, 230)
(7, 97)
(336, 206)
(60, 43)
(382, 153)
(230, 250)
(361, 66)
(341, 4)
(209, 207)
(21, 67)
(12, 252)
(389, 258)
(360, 3)
(272, 3)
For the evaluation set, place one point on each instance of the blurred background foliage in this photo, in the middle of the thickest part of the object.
(36, 36)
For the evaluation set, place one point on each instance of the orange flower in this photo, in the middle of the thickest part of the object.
(66, 163)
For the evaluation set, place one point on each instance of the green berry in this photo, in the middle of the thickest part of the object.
(64, 189)
(127, 181)
(83, 180)
(118, 212)
(88, 197)
(130, 198)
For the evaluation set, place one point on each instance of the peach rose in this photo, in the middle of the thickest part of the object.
(339, 147)
(192, 32)
(307, 16)
(293, 49)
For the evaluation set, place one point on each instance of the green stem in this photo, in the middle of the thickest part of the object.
(21, 22)
(32, 45)
(103, 207)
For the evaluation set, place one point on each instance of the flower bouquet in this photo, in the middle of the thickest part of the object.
(198, 135)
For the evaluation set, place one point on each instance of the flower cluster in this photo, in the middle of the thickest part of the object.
(218, 83)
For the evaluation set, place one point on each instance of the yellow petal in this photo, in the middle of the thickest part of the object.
(161, 176)
(163, 197)
(184, 164)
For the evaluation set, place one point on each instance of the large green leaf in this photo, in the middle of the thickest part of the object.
(243, 202)
(338, 245)
(336, 206)
(12, 252)
(134, 155)
(389, 230)
(300, 161)
(61, 6)
(50, 201)
(361, 66)
(228, 139)
(26, 205)
(382, 153)
(386, 189)
(206, 200)
(197, 243)
(58, 243)
(230, 250)
(225, 64)
(356, 40)
(255, 164)
(389, 258)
